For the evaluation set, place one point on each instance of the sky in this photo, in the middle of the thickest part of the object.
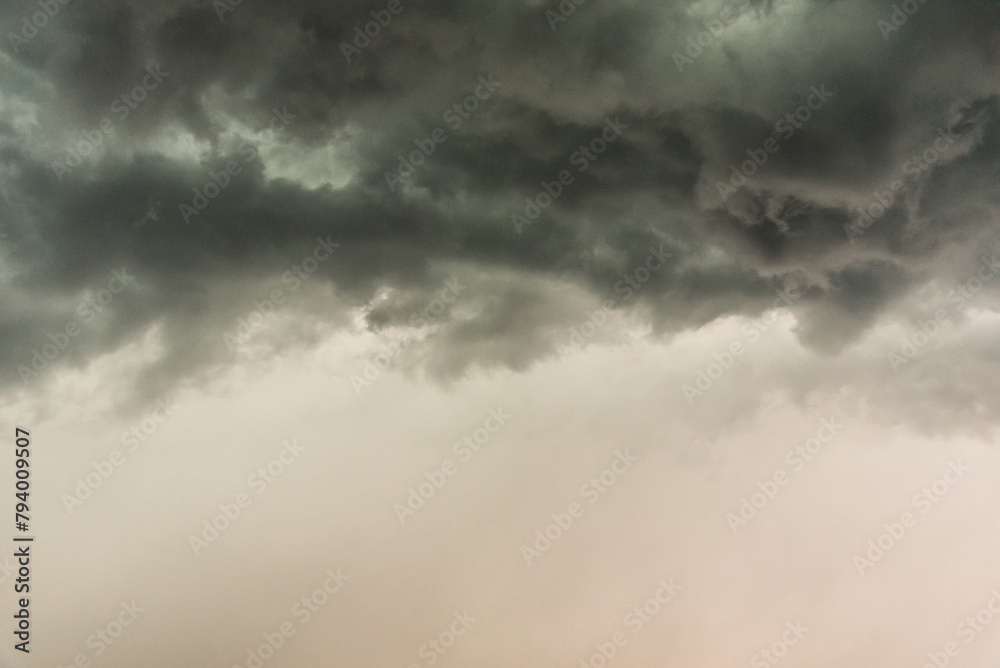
(539, 333)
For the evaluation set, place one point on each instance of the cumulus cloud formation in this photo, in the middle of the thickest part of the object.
(321, 145)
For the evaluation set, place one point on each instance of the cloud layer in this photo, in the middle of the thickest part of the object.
(270, 92)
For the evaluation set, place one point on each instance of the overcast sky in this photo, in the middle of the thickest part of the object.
(627, 333)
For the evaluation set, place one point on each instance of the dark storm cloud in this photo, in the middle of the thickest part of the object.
(655, 185)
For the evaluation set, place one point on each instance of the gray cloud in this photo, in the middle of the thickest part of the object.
(656, 185)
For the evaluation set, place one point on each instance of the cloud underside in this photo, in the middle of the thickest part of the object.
(262, 142)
